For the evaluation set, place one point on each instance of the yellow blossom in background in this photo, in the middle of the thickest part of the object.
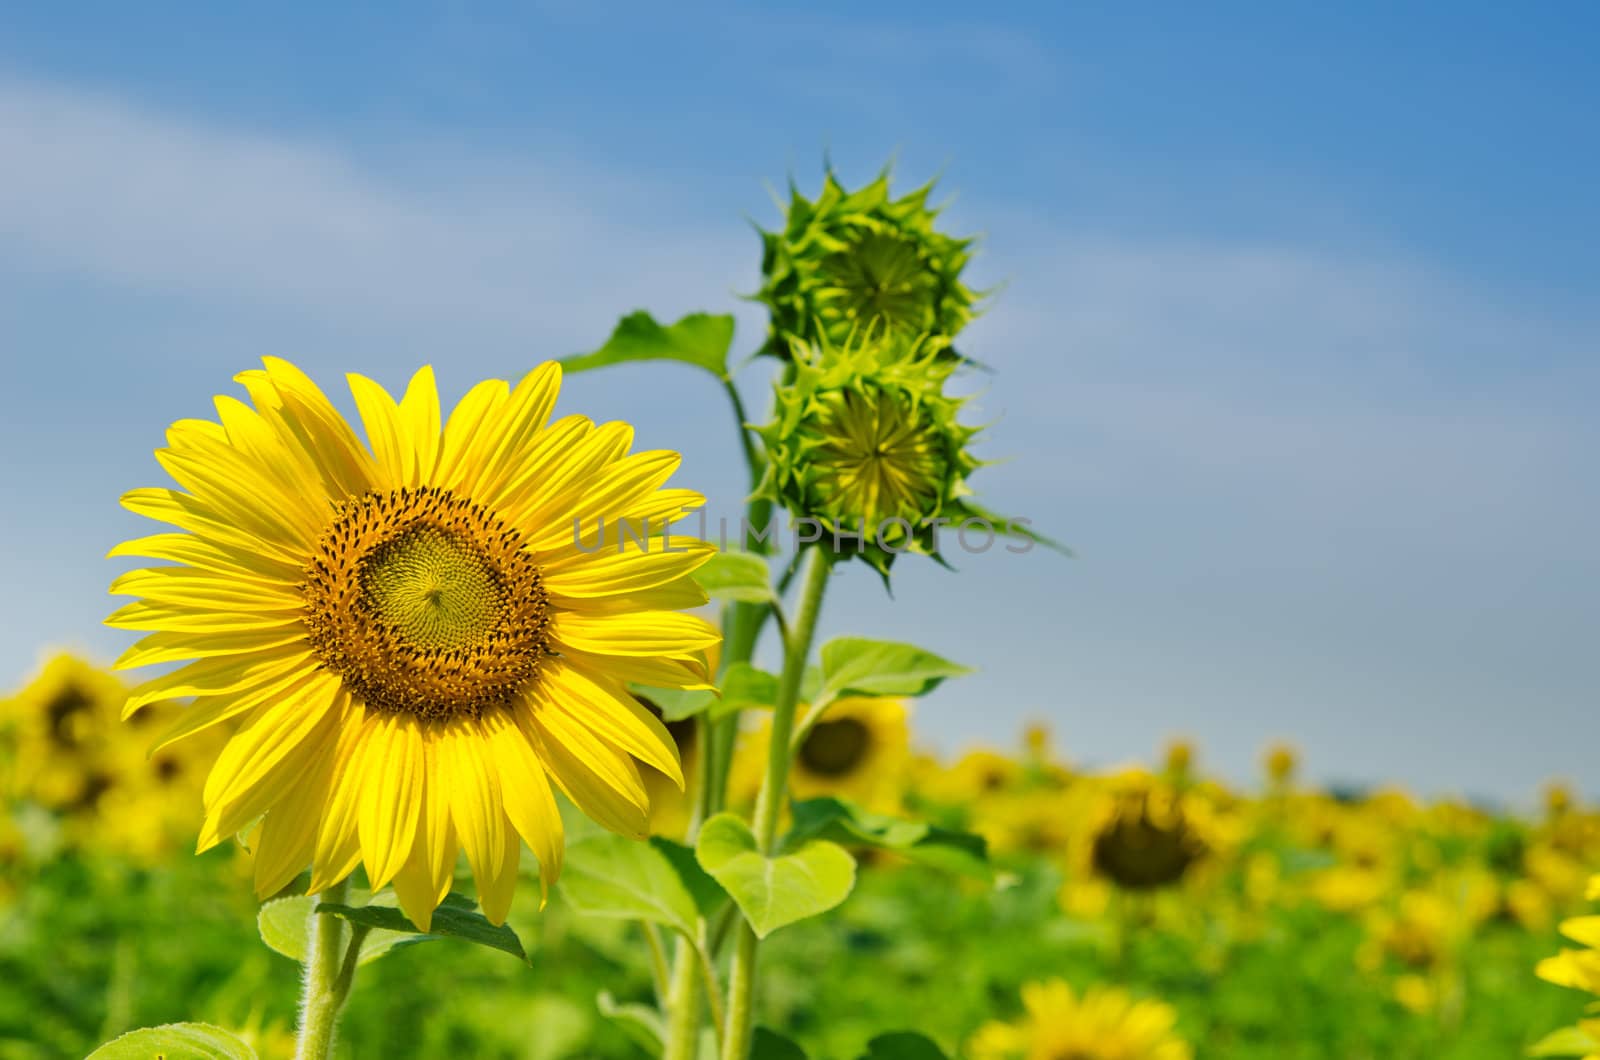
(859, 750)
(1097, 1024)
(73, 758)
(415, 644)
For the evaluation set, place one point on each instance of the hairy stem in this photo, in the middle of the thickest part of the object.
(329, 968)
(769, 804)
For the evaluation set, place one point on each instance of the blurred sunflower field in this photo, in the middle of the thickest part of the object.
(1043, 910)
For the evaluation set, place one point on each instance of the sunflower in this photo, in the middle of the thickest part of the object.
(71, 759)
(1097, 1024)
(414, 641)
(1580, 970)
(1144, 833)
(61, 723)
(859, 750)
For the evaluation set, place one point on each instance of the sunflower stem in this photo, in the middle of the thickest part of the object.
(683, 1006)
(769, 804)
(329, 968)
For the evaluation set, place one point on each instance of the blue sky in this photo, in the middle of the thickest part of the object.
(1295, 329)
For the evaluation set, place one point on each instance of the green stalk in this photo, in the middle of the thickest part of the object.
(769, 804)
(683, 1006)
(329, 968)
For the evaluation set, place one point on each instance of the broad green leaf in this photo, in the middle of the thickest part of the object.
(770, 1045)
(708, 895)
(903, 1045)
(676, 704)
(176, 1041)
(774, 891)
(457, 917)
(745, 688)
(642, 1024)
(856, 666)
(658, 881)
(1568, 1041)
(842, 822)
(700, 339)
(736, 576)
(284, 924)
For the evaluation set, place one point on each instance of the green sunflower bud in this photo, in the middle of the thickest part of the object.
(866, 452)
(853, 262)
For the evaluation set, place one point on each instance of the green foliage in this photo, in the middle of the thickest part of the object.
(739, 576)
(659, 882)
(841, 822)
(700, 339)
(903, 1045)
(774, 891)
(855, 666)
(457, 917)
(176, 1041)
(285, 926)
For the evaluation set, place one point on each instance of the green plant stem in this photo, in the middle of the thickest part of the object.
(769, 804)
(329, 968)
(683, 1006)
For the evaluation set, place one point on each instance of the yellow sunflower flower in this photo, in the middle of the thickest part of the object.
(860, 750)
(1097, 1024)
(413, 639)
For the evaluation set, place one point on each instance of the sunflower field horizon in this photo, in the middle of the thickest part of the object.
(1142, 611)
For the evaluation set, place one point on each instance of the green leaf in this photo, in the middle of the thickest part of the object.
(457, 917)
(176, 1041)
(856, 666)
(774, 891)
(610, 876)
(1568, 1041)
(676, 704)
(770, 1045)
(700, 339)
(744, 688)
(740, 576)
(642, 1024)
(285, 925)
(903, 1045)
(842, 822)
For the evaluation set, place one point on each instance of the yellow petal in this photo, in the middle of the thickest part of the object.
(175, 618)
(391, 796)
(338, 848)
(288, 835)
(396, 462)
(220, 676)
(203, 589)
(530, 805)
(212, 710)
(260, 762)
(612, 573)
(193, 551)
(175, 647)
(495, 891)
(419, 422)
(610, 713)
(602, 781)
(642, 634)
(429, 871)
(468, 774)
(656, 673)
(467, 434)
(607, 495)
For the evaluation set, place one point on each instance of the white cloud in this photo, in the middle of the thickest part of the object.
(170, 205)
